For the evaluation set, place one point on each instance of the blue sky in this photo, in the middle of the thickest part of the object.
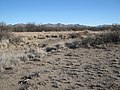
(86, 12)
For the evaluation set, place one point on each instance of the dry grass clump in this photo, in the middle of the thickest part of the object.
(102, 39)
(32, 55)
(9, 62)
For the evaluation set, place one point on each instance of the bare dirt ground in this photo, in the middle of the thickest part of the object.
(47, 64)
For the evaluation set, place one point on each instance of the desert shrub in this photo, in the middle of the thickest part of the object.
(5, 31)
(106, 38)
(5, 35)
(74, 35)
(49, 49)
(72, 45)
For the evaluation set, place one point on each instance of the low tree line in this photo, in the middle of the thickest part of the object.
(32, 27)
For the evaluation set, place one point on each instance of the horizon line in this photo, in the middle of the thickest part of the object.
(32, 22)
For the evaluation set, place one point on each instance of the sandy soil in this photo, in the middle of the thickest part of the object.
(53, 66)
